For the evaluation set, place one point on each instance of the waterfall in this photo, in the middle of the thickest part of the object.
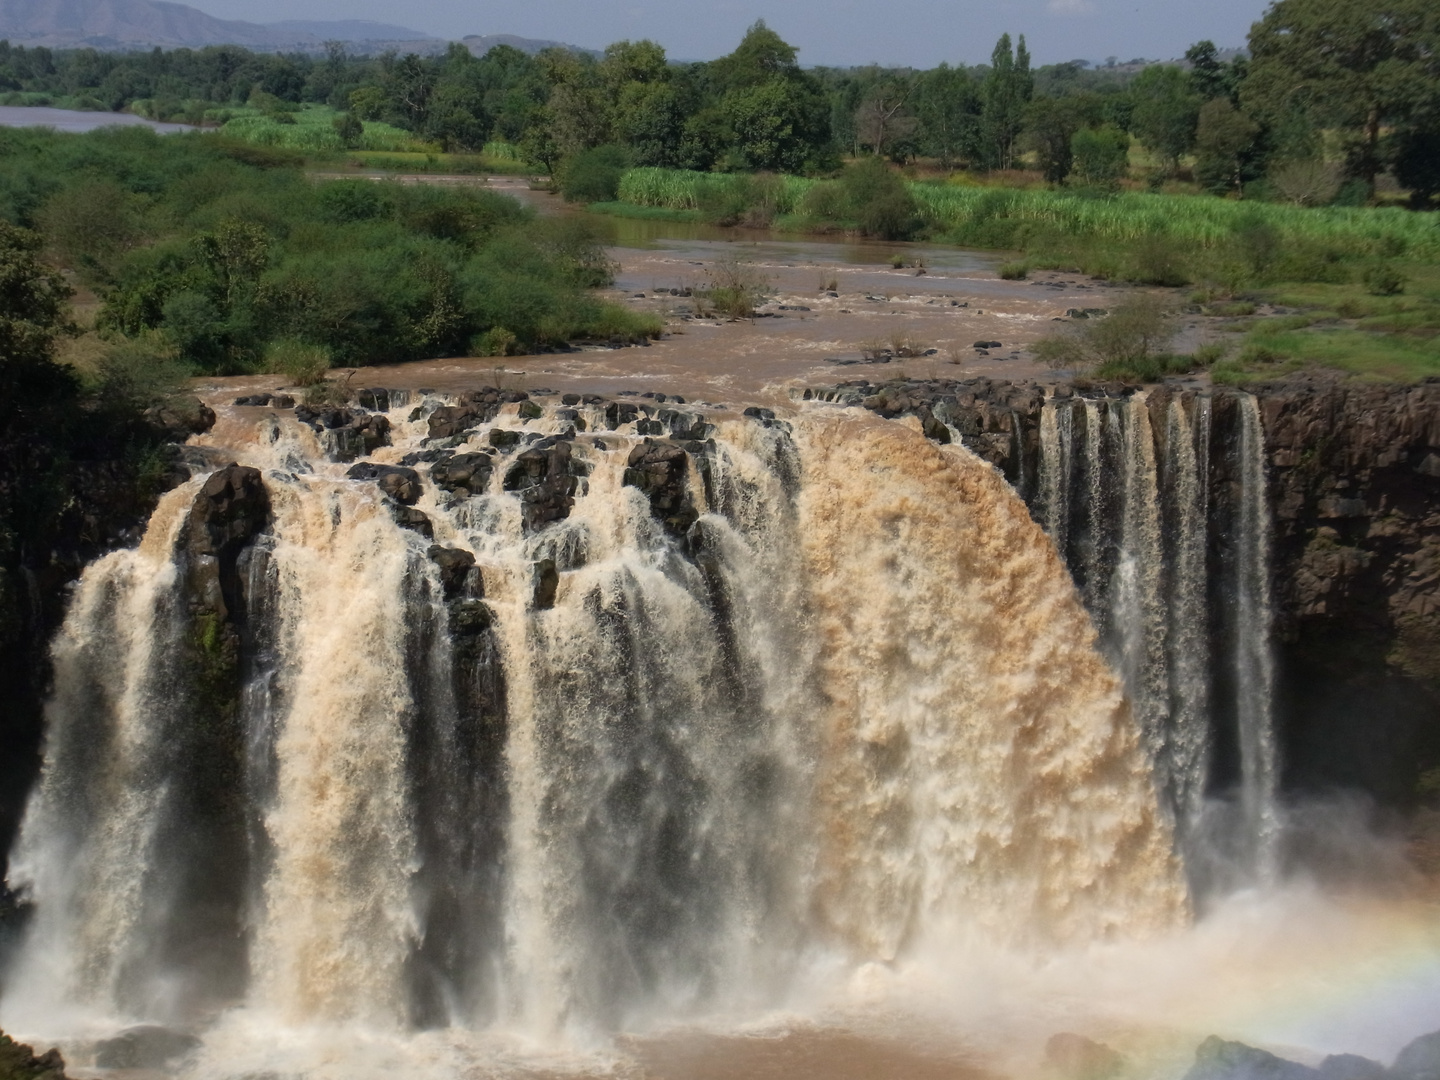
(1136, 530)
(1254, 661)
(1188, 638)
(597, 718)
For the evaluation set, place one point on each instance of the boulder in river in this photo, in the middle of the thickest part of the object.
(145, 1047)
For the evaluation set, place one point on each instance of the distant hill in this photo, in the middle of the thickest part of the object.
(143, 24)
(356, 30)
(481, 44)
(135, 24)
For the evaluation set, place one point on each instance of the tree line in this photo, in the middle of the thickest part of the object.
(1331, 94)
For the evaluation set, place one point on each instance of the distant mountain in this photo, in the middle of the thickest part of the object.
(356, 30)
(144, 24)
(481, 44)
(135, 24)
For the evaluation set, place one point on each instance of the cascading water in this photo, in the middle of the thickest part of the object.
(1134, 524)
(1254, 662)
(571, 731)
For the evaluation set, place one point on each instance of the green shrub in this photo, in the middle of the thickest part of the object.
(1158, 260)
(1099, 156)
(593, 175)
(735, 287)
(497, 341)
(302, 364)
(1131, 337)
(1382, 279)
(1014, 271)
(879, 201)
(1208, 354)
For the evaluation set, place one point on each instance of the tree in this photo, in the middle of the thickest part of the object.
(771, 115)
(34, 313)
(760, 57)
(947, 105)
(350, 130)
(1099, 155)
(1224, 142)
(1051, 124)
(1417, 163)
(882, 117)
(1006, 90)
(1351, 65)
(578, 112)
(1209, 78)
(1165, 113)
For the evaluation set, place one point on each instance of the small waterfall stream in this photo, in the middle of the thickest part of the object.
(1135, 527)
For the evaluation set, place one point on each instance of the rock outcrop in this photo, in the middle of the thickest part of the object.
(20, 1062)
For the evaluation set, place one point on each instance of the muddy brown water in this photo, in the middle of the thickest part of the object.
(833, 300)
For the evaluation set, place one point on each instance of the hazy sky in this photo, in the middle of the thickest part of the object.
(840, 32)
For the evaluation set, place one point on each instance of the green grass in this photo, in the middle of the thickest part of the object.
(683, 189)
(312, 130)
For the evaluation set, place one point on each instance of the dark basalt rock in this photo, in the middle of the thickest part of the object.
(463, 474)
(344, 434)
(620, 412)
(502, 439)
(181, 416)
(397, 481)
(547, 582)
(407, 517)
(20, 1062)
(545, 478)
(451, 420)
(379, 399)
(458, 574)
(659, 470)
(230, 510)
(1217, 1059)
(147, 1047)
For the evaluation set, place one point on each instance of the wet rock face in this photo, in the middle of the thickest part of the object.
(659, 470)
(180, 417)
(230, 510)
(463, 474)
(346, 435)
(1355, 498)
(545, 477)
(397, 481)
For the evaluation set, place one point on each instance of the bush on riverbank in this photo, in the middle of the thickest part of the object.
(224, 249)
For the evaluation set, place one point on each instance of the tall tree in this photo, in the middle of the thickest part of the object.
(947, 104)
(1006, 91)
(1355, 66)
(1165, 113)
(883, 117)
(1224, 146)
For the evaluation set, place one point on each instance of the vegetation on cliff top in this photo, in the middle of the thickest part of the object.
(217, 253)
